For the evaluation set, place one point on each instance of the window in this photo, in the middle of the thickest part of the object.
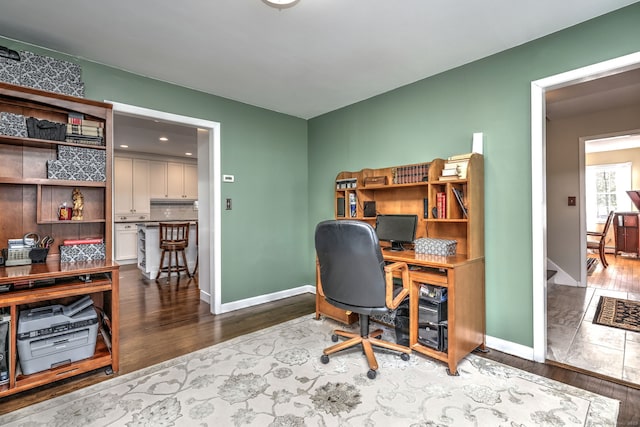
(606, 187)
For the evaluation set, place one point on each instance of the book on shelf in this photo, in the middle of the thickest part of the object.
(450, 172)
(441, 204)
(448, 178)
(78, 119)
(464, 156)
(460, 198)
(87, 241)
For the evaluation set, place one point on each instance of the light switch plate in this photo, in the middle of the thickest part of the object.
(228, 178)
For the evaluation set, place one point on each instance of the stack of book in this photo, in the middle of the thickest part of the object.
(455, 168)
(82, 131)
(410, 174)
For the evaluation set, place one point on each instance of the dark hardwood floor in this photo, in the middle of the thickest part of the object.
(160, 322)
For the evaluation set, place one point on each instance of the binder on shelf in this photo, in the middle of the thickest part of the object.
(460, 198)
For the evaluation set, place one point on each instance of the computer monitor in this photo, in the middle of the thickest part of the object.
(396, 229)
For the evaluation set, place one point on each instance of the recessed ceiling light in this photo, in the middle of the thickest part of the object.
(188, 154)
(124, 146)
(163, 138)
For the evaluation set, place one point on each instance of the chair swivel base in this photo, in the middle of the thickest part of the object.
(367, 342)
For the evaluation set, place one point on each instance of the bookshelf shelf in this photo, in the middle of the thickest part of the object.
(30, 203)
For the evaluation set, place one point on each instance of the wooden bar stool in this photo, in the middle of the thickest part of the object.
(174, 238)
(195, 269)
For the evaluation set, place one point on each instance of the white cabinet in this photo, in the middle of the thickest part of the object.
(131, 189)
(126, 242)
(173, 180)
(158, 180)
(190, 181)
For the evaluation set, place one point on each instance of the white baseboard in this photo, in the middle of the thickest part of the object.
(261, 299)
(509, 347)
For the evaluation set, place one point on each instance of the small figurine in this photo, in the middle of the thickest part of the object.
(78, 205)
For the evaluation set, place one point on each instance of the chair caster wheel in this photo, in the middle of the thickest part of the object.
(334, 338)
(324, 359)
(405, 356)
(371, 374)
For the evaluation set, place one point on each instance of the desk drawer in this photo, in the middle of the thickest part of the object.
(428, 275)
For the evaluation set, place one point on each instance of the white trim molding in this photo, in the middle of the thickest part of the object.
(538, 180)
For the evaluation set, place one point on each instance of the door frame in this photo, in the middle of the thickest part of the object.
(209, 190)
(538, 181)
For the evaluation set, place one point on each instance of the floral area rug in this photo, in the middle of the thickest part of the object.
(274, 377)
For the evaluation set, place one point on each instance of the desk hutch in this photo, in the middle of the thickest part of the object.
(414, 189)
(29, 203)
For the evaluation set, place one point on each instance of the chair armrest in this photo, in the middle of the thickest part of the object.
(594, 233)
(389, 270)
(319, 290)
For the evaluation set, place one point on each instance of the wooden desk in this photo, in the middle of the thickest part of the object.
(464, 280)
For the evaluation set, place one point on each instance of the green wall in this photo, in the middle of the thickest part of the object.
(437, 116)
(267, 153)
(285, 166)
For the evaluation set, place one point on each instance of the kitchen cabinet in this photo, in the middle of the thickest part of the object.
(173, 180)
(126, 241)
(131, 189)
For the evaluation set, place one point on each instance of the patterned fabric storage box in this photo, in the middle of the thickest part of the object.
(13, 124)
(10, 71)
(36, 66)
(84, 252)
(80, 155)
(77, 171)
(435, 246)
(43, 82)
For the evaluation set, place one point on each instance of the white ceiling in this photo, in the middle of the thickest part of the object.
(306, 60)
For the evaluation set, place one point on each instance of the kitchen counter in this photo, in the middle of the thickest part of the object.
(149, 248)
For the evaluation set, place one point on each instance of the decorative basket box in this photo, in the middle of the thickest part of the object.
(80, 154)
(76, 171)
(432, 246)
(10, 71)
(36, 66)
(84, 252)
(43, 82)
(13, 124)
(45, 129)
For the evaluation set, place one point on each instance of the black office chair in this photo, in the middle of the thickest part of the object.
(353, 277)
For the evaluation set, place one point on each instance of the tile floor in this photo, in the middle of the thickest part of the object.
(574, 340)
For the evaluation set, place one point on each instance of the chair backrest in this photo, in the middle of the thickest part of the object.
(174, 232)
(351, 265)
(607, 224)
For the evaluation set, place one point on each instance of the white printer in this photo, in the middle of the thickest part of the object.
(56, 335)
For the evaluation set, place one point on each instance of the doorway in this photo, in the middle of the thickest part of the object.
(539, 170)
(209, 208)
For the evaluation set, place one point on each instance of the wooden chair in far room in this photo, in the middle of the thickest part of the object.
(174, 239)
(597, 239)
(354, 277)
